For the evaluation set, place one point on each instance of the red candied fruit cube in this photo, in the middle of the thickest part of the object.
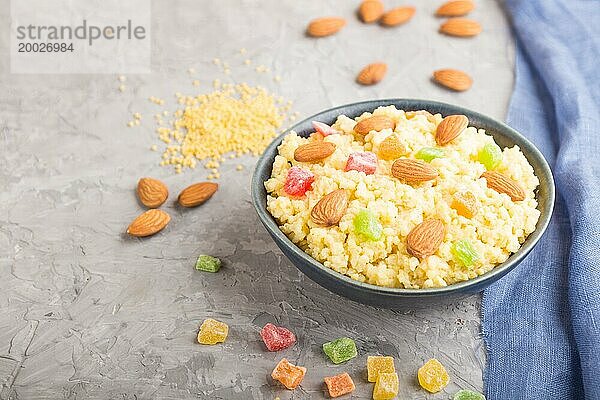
(362, 161)
(277, 337)
(339, 385)
(324, 129)
(298, 181)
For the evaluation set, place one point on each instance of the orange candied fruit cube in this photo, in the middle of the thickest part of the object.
(391, 148)
(288, 374)
(465, 204)
(339, 385)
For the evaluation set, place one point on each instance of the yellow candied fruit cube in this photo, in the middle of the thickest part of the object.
(391, 148)
(379, 364)
(288, 374)
(212, 332)
(386, 386)
(465, 204)
(433, 376)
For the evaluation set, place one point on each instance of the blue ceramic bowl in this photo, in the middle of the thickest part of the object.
(392, 297)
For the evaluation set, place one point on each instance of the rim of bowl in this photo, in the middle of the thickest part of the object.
(501, 269)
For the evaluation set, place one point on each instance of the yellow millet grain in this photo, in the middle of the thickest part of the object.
(237, 119)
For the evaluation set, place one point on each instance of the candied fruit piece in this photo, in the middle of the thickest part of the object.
(386, 386)
(277, 337)
(298, 181)
(429, 153)
(433, 376)
(340, 350)
(464, 253)
(339, 385)
(490, 156)
(391, 148)
(468, 395)
(324, 129)
(212, 332)
(465, 204)
(379, 364)
(288, 374)
(208, 263)
(362, 161)
(367, 224)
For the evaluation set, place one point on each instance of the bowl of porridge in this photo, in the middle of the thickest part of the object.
(389, 201)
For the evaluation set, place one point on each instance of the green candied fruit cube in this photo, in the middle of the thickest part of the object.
(367, 224)
(429, 153)
(490, 156)
(340, 350)
(464, 252)
(208, 263)
(468, 395)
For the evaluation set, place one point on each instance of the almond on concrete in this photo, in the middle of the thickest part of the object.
(453, 79)
(326, 26)
(370, 11)
(412, 171)
(374, 123)
(503, 184)
(397, 16)
(314, 151)
(331, 208)
(450, 127)
(196, 194)
(152, 192)
(455, 8)
(461, 27)
(148, 223)
(424, 239)
(372, 74)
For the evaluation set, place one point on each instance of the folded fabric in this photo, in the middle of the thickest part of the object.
(541, 323)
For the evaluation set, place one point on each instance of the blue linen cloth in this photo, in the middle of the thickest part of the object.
(541, 323)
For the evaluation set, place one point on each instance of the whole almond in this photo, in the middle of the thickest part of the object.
(321, 27)
(424, 239)
(413, 171)
(455, 8)
(453, 79)
(314, 151)
(196, 194)
(503, 184)
(370, 11)
(152, 192)
(450, 128)
(374, 123)
(331, 208)
(372, 74)
(461, 27)
(397, 16)
(148, 223)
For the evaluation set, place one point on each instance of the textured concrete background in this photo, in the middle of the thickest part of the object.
(87, 313)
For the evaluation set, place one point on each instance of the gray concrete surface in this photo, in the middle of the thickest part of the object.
(87, 313)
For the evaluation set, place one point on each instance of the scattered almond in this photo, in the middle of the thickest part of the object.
(397, 16)
(455, 8)
(374, 123)
(372, 74)
(321, 27)
(461, 27)
(152, 192)
(331, 208)
(314, 151)
(196, 194)
(370, 11)
(503, 184)
(424, 239)
(413, 171)
(450, 128)
(149, 223)
(453, 79)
